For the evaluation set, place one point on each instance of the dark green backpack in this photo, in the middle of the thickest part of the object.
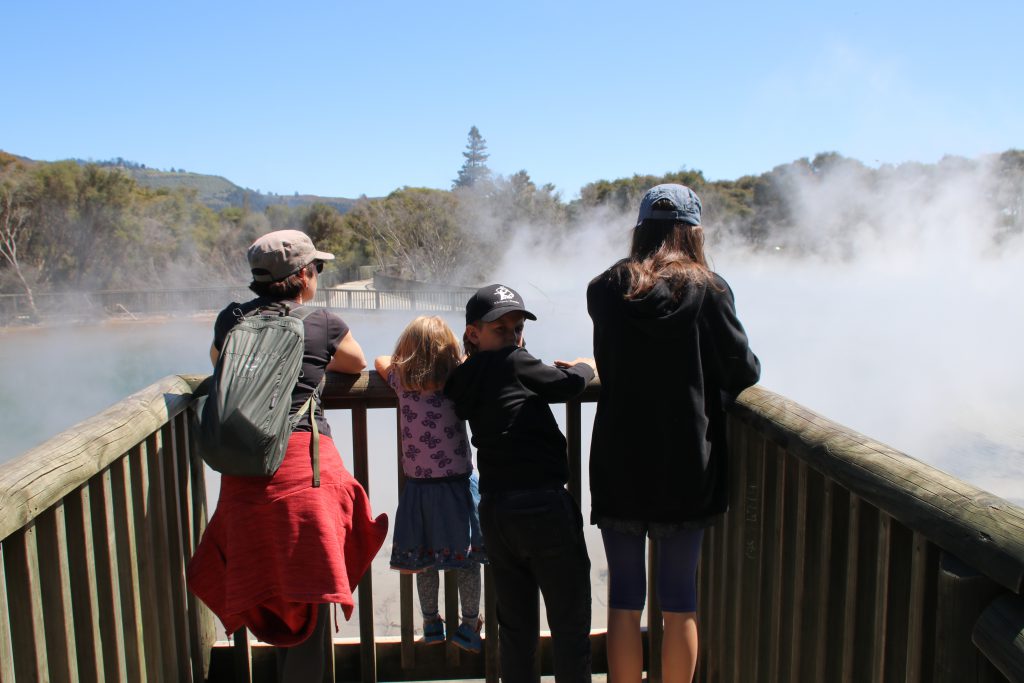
(244, 423)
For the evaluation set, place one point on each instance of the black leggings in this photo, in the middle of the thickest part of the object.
(304, 663)
(677, 570)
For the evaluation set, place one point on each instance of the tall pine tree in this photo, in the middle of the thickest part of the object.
(474, 169)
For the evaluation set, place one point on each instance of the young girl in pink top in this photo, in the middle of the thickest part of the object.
(437, 525)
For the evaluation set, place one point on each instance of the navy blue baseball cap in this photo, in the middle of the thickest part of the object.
(685, 203)
(493, 301)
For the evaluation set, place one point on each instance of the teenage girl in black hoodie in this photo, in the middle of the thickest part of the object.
(532, 526)
(670, 351)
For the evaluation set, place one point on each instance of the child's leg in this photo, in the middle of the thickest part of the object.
(427, 584)
(535, 539)
(516, 592)
(469, 593)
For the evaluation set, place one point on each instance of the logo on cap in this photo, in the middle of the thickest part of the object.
(504, 293)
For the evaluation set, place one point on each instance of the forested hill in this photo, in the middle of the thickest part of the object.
(216, 191)
(78, 226)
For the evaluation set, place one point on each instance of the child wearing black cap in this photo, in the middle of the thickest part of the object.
(533, 527)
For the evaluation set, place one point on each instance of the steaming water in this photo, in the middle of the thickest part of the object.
(917, 353)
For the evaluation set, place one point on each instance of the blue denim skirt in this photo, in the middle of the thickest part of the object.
(437, 525)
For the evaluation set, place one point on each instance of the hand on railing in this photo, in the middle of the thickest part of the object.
(570, 363)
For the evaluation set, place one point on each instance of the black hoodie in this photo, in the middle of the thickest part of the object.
(504, 394)
(667, 365)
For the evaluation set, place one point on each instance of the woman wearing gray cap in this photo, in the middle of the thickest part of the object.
(670, 351)
(279, 549)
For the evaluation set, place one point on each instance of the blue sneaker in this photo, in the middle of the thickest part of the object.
(468, 638)
(433, 632)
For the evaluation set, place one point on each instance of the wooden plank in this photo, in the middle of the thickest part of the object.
(40, 477)
(55, 590)
(867, 590)
(161, 567)
(752, 458)
(921, 603)
(849, 628)
(85, 603)
(771, 573)
(176, 551)
(405, 593)
(492, 660)
(819, 554)
(108, 591)
(28, 636)
(794, 541)
(957, 517)
(999, 634)
(141, 504)
(192, 494)
(734, 554)
(451, 616)
(360, 450)
(6, 653)
(574, 439)
(127, 551)
(879, 631)
(242, 656)
(963, 595)
(837, 571)
(407, 620)
(898, 618)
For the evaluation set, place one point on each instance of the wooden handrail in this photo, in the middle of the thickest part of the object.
(840, 557)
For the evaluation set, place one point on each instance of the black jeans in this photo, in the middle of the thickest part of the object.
(535, 540)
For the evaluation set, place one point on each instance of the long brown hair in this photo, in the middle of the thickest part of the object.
(664, 250)
(427, 352)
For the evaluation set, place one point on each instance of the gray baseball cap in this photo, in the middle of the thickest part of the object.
(685, 201)
(281, 253)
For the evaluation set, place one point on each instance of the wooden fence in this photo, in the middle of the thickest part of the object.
(840, 559)
(170, 301)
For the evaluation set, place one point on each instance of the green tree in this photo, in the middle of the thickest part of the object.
(474, 169)
(413, 232)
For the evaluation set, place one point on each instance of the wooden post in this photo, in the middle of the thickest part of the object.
(85, 605)
(999, 634)
(771, 587)
(492, 660)
(924, 565)
(748, 591)
(152, 623)
(573, 435)
(55, 589)
(242, 656)
(131, 603)
(107, 585)
(406, 611)
(28, 638)
(361, 463)
(963, 594)
(6, 653)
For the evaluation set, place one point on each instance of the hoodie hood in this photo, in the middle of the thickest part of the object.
(660, 313)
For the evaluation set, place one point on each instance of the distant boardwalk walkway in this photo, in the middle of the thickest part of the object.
(16, 307)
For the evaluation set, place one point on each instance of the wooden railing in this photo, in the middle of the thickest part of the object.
(840, 559)
(96, 526)
(164, 301)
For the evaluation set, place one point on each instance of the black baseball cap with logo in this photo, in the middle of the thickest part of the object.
(493, 301)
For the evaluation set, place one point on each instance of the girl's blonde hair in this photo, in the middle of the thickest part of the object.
(427, 352)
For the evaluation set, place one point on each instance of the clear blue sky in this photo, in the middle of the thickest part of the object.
(345, 98)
